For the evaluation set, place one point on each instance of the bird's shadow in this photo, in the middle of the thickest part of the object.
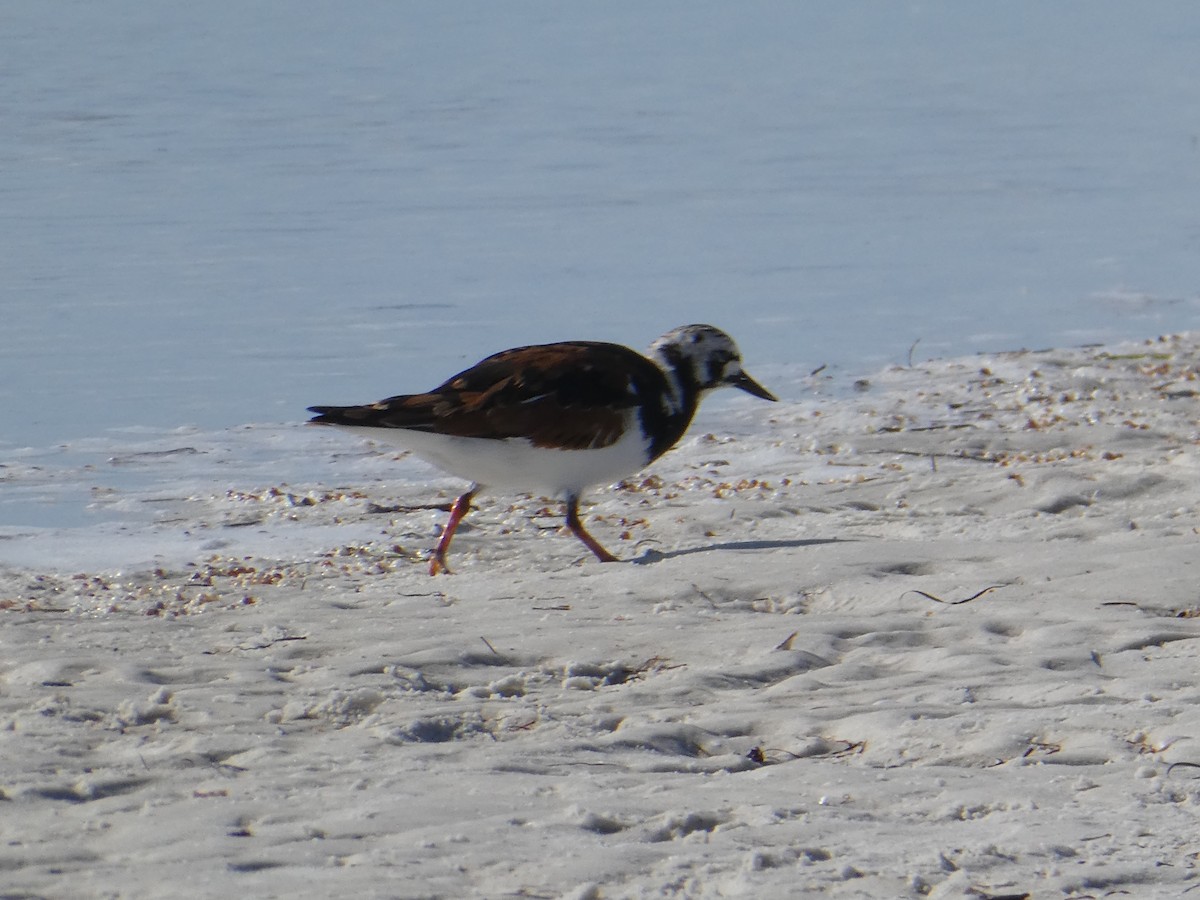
(653, 556)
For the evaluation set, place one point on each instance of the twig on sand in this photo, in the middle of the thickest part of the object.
(929, 596)
(408, 507)
(962, 454)
(264, 643)
(760, 754)
(32, 607)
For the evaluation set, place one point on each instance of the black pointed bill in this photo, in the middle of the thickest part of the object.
(744, 382)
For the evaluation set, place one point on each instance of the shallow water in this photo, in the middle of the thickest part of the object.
(222, 214)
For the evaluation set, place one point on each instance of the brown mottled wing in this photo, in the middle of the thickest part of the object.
(571, 395)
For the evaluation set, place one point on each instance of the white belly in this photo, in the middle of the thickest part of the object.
(515, 464)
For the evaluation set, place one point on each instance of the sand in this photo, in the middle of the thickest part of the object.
(935, 636)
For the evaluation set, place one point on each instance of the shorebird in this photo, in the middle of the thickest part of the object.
(554, 419)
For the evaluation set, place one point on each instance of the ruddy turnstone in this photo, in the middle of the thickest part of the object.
(554, 419)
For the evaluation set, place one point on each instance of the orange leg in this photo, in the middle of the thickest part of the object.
(461, 507)
(580, 532)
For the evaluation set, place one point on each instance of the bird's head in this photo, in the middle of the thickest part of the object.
(706, 358)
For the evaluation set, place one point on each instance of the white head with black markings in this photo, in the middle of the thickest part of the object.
(702, 358)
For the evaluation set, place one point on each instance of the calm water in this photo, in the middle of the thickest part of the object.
(219, 213)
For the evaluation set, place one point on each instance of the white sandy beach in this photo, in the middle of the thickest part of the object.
(259, 692)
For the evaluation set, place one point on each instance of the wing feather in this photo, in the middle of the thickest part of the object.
(576, 395)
